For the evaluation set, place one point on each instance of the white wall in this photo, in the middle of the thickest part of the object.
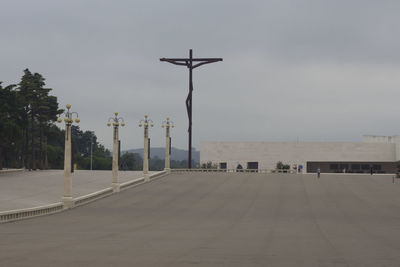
(267, 154)
(395, 139)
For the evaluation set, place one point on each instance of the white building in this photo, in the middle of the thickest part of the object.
(380, 153)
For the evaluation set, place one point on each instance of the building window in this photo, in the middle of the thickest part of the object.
(252, 165)
(365, 167)
(344, 166)
(334, 166)
(355, 167)
(377, 167)
(222, 165)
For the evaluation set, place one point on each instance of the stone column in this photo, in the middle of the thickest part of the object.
(115, 184)
(146, 153)
(67, 195)
(167, 151)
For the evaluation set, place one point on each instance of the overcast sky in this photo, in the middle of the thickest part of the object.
(291, 70)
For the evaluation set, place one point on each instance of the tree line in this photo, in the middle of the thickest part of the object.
(30, 139)
(27, 112)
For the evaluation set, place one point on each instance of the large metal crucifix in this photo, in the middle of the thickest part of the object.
(191, 63)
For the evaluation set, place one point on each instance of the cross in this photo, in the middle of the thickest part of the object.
(191, 63)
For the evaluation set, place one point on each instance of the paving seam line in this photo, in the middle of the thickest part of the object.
(27, 213)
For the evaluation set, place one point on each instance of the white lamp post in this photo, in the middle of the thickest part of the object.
(167, 124)
(115, 123)
(146, 123)
(67, 195)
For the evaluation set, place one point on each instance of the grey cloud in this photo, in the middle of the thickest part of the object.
(308, 69)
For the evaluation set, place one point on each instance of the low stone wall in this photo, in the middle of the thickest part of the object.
(231, 170)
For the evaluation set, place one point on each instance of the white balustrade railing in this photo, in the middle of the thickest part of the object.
(13, 215)
(131, 183)
(93, 196)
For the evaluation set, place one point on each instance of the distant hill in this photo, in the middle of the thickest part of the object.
(176, 153)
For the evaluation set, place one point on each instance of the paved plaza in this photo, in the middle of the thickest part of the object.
(36, 188)
(224, 219)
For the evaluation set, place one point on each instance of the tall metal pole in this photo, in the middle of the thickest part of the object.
(189, 104)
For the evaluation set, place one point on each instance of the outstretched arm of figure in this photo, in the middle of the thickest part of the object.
(206, 62)
(176, 62)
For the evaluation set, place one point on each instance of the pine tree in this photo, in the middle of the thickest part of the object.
(26, 92)
(10, 130)
(40, 109)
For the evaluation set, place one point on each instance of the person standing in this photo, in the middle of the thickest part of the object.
(372, 170)
(319, 173)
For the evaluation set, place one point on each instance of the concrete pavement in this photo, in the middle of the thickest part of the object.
(36, 188)
(207, 219)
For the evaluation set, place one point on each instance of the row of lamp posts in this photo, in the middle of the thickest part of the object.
(115, 122)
